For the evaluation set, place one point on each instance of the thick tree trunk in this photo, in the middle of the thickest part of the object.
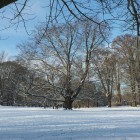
(68, 103)
(109, 103)
(134, 103)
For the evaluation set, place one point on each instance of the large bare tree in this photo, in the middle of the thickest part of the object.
(64, 51)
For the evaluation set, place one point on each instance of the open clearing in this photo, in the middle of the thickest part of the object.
(22, 123)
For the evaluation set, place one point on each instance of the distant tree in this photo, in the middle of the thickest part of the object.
(8, 86)
(104, 65)
(92, 94)
(126, 45)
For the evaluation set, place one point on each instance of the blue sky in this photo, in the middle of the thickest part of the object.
(11, 37)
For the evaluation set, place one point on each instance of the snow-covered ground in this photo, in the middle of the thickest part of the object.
(17, 123)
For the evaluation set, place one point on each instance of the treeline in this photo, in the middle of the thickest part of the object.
(70, 66)
(21, 86)
(24, 85)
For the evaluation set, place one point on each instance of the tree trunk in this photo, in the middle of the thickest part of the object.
(109, 103)
(139, 92)
(134, 104)
(97, 103)
(109, 99)
(88, 103)
(68, 103)
(119, 93)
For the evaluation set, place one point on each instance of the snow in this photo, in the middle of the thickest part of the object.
(23, 123)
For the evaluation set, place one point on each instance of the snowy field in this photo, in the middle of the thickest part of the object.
(17, 123)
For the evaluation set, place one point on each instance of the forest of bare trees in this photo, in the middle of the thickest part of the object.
(70, 60)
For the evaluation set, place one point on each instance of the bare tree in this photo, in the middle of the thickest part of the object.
(126, 46)
(110, 11)
(104, 65)
(125, 12)
(59, 51)
(8, 82)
